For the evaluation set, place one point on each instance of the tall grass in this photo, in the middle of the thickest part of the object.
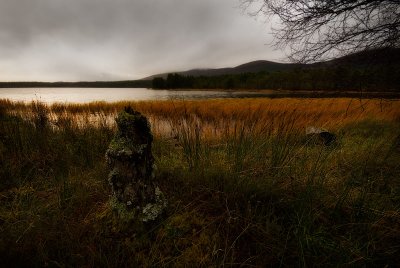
(246, 185)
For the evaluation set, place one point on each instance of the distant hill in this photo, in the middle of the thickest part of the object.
(250, 67)
(377, 57)
(372, 71)
(356, 60)
(380, 67)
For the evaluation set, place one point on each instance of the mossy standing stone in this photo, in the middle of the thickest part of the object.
(132, 178)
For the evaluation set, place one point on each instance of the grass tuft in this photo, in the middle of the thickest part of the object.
(245, 185)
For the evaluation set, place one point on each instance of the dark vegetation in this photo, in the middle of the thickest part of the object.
(375, 70)
(314, 79)
(245, 185)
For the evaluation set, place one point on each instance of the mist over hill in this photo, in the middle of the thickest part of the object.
(250, 67)
(365, 59)
(374, 70)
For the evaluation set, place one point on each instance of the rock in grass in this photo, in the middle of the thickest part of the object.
(129, 156)
(320, 135)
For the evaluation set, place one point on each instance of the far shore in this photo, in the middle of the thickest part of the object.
(239, 93)
(299, 93)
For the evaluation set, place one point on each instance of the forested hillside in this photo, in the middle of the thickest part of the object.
(377, 70)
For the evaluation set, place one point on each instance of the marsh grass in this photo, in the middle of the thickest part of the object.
(245, 185)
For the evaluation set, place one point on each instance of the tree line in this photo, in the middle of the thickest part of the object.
(339, 78)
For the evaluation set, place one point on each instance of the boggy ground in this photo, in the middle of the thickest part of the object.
(245, 185)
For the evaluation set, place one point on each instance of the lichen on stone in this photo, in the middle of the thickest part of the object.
(152, 210)
(132, 175)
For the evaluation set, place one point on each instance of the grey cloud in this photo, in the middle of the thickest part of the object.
(123, 39)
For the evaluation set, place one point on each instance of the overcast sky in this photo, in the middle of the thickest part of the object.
(69, 40)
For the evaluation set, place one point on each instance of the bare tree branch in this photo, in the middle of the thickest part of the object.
(322, 29)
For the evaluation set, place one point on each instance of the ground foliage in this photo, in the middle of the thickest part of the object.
(245, 185)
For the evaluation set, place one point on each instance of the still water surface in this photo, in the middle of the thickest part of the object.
(81, 95)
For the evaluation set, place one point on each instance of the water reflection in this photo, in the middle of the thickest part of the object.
(82, 95)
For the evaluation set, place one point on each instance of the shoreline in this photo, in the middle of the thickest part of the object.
(193, 94)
